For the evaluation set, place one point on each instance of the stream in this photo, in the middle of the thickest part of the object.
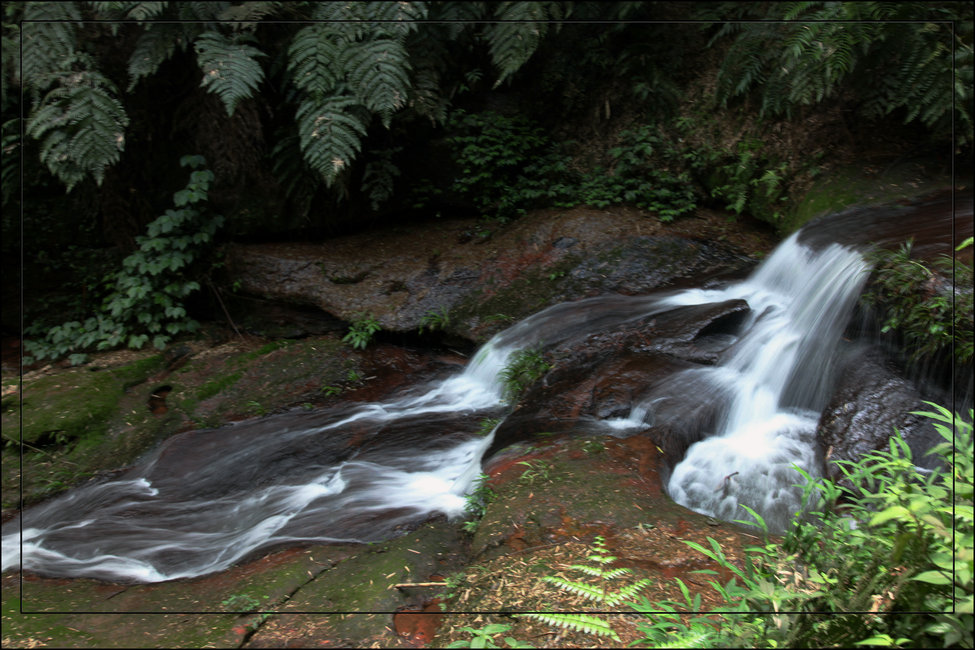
(206, 500)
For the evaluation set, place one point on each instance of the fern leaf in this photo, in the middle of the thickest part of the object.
(330, 134)
(590, 592)
(379, 73)
(582, 622)
(82, 127)
(246, 14)
(48, 37)
(690, 639)
(396, 19)
(513, 41)
(230, 69)
(628, 592)
(155, 45)
(314, 60)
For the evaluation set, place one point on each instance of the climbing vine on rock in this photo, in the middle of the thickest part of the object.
(145, 299)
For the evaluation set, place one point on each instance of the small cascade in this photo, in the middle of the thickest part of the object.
(774, 383)
(208, 499)
(205, 500)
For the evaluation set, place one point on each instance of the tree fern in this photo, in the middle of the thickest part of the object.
(581, 622)
(81, 124)
(230, 67)
(330, 134)
(314, 59)
(155, 46)
(378, 71)
(48, 37)
(515, 39)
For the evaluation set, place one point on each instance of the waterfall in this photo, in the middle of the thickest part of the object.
(775, 383)
(205, 500)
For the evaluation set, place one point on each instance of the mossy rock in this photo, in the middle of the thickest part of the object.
(847, 186)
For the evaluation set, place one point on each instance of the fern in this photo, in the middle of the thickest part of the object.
(230, 69)
(397, 19)
(330, 134)
(581, 622)
(48, 37)
(155, 46)
(379, 72)
(313, 60)
(513, 41)
(82, 127)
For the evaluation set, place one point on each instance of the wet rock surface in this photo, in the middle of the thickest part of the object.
(871, 401)
(486, 281)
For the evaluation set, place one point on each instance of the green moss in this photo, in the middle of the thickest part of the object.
(844, 187)
(63, 407)
(211, 388)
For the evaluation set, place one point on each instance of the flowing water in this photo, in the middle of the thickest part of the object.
(205, 500)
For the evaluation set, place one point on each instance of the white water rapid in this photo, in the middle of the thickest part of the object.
(775, 381)
(208, 499)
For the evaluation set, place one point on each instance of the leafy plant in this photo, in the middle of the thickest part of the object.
(484, 637)
(919, 302)
(595, 589)
(537, 470)
(477, 500)
(523, 369)
(361, 331)
(487, 426)
(146, 297)
(902, 543)
(880, 57)
(435, 319)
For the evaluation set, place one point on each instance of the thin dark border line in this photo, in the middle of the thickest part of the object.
(952, 24)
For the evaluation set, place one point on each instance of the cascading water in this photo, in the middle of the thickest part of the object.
(207, 499)
(775, 383)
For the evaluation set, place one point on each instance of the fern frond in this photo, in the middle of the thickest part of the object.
(242, 16)
(628, 592)
(230, 69)
(512, 42)
(581, 622)
(330, 134)
(379, 72)
(131, 10)
(590, 592)
(314, 59)
(690, 639)
(201, 11)
(155, 45)
(396, 19)
(82, 127)
(49, 43)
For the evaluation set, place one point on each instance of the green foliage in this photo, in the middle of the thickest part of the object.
(230, 67)
(477, 500)
(487, 426)
(902, 543)
(435, 319)
(932, 315)
(884, 57)
(507, 166)
(593, 587)
(537, 470)
(361, 331)
(641, 175)
(523, 369)
(145, 299)
(484, 637)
